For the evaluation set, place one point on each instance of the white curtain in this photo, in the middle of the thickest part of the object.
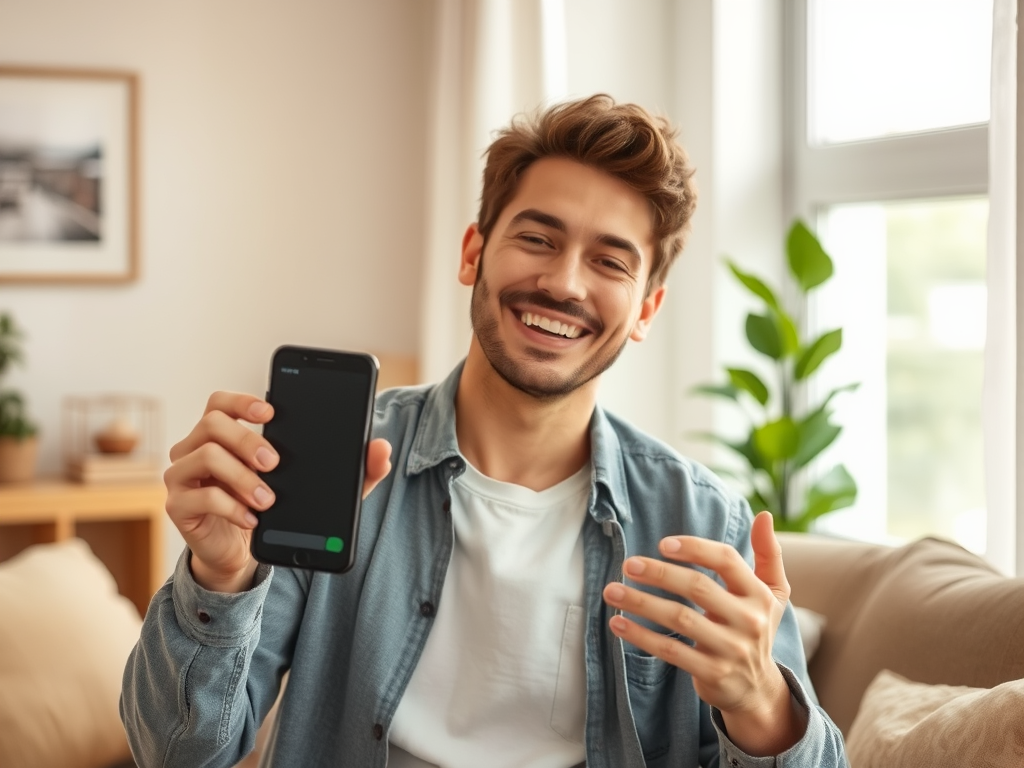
(1004, 474)
(492, 60)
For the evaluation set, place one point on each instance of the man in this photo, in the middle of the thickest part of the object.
(537, 583)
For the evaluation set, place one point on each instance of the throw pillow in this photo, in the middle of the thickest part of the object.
(903, 724)
(65, 635)
(811, 625)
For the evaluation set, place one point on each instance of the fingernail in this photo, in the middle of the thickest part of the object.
(251, 519)
(671, 545)
(635, 567)
(265, 457)
(258, 409)
(615, 592)
(262, 496)
(618, 624)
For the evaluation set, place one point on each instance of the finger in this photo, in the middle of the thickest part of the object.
(715, 556)
(669, 649)
(188, 508)
(768, 565)
(672, 615)
(212, 463)
(688, 583)
(241, 405)
(222, 428)
(378, 464)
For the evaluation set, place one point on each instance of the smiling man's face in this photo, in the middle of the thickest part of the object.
(561, 284)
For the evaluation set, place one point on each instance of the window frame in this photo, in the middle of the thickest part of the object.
(888, 169)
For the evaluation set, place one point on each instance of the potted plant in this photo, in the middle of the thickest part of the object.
(18, 435)
(786, 431)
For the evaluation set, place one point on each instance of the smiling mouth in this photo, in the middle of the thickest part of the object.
(551, 327)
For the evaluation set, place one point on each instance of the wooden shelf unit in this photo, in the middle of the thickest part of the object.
(123, 524)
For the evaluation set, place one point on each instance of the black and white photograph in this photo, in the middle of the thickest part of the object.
(66, 175)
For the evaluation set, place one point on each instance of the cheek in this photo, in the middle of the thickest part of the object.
(624, 304)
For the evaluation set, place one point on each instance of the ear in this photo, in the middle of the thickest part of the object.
(648, 310)
(472, 246)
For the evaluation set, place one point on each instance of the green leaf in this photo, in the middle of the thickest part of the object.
(825, 345)
(758, 502)
(717, 390)
(816, 434)
(755, 285)
(788, 333)
(790, 524)
(763, 335)
(808, 262)
(749, 382)
(746, 450)
(839, 390)
(777, 439)
(835, 490)
(749, 450)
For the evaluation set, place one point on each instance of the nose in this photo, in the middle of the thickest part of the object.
(562, 277)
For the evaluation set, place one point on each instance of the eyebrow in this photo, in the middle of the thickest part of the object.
(547, 220)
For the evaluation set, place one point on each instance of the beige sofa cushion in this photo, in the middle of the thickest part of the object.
(912, 725)
(65, 635)
(930, 611)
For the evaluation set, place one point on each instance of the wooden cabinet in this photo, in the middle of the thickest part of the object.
(123, 524)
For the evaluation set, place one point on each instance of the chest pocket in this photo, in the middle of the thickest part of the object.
(651, 682)
(569, 710)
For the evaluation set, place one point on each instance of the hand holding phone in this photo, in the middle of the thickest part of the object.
(323, 406)
(212, 487)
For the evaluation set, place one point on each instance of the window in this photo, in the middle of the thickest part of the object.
(887, 158)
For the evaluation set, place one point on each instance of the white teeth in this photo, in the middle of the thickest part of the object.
(552, 326)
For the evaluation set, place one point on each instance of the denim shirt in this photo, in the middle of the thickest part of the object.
(208, 666)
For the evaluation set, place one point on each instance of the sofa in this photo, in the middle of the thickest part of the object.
(921, 653)
(920, 658)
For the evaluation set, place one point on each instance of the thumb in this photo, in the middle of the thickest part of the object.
(768, 565)
(378, 464)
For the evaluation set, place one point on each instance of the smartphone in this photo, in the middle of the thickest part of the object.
(323, 408)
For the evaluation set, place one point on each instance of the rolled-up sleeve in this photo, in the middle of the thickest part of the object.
(195, 689)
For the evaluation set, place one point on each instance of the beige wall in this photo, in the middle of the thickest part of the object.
(281, 196)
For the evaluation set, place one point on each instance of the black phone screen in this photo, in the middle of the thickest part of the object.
(322, 408)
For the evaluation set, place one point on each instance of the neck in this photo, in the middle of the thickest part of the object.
(517, 438)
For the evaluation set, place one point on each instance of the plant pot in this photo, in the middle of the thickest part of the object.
(18, 459)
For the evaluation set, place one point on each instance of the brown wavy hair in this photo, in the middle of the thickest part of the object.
(623, 140)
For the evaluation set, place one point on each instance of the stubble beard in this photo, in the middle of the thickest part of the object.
(543, 386)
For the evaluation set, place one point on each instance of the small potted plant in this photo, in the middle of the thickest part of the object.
(18, 435)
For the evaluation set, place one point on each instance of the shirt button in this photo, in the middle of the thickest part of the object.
(447, 505)
(204, 617)
(378, 731)
(735, 763)
(427, 609)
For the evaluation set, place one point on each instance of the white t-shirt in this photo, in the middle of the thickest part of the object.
(502, 680)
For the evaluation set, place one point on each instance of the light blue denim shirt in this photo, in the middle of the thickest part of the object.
(208, 666)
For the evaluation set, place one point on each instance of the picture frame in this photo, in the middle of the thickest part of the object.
(68, 175)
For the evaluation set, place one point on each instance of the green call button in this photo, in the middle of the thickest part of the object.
(334, 544)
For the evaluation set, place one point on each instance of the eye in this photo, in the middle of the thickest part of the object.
(535, 240)
(614, 264)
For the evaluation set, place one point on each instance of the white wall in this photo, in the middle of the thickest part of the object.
(282, 195)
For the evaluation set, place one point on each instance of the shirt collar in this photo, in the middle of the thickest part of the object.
(436, 442)
(435, 439)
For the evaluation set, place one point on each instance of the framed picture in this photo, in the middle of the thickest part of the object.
(68, 176)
